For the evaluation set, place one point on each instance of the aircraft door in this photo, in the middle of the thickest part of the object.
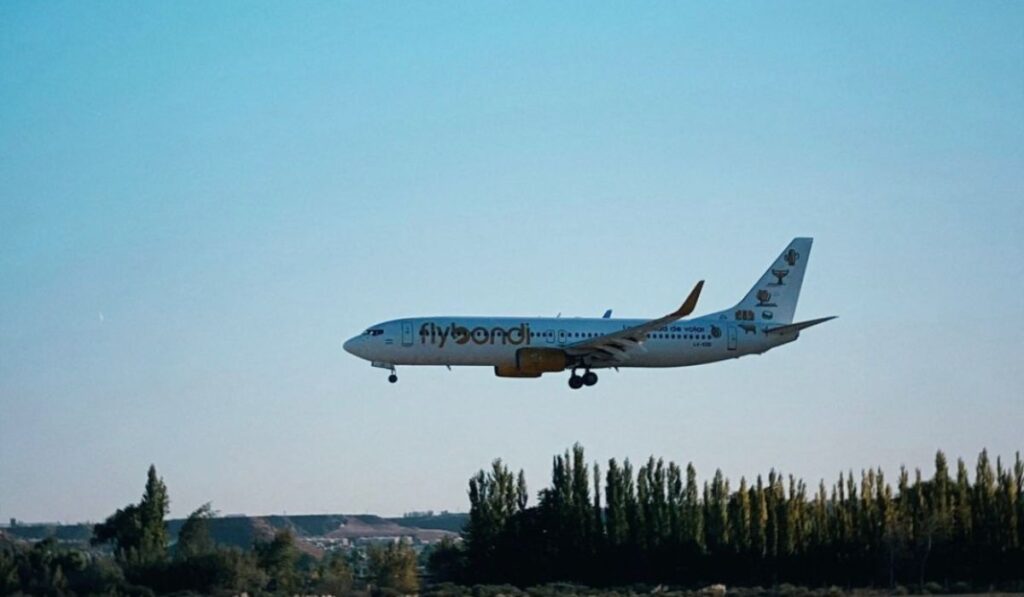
(406, 333)
(561, 336)
(732, 337)
(550, 336)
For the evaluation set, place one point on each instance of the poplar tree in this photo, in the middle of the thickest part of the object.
(982, 501)
(741, 517)
(152, 509)
(693, 521)
(674, 501)
(963, 519)
(655, 526)
(759, 524)
(615, 499)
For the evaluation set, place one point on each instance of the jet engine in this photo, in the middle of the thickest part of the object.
(532, 362)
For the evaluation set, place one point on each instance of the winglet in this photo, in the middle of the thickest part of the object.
(690, 303)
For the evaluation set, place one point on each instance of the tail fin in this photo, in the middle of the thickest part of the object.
(774, 296)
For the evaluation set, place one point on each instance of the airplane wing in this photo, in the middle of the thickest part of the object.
(614, 348)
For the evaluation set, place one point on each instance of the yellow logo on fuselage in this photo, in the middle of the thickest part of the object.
(431, 333)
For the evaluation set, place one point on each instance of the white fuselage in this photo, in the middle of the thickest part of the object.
(493, 341)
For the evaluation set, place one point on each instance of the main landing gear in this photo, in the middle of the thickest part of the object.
(393, 378)
(578, 381)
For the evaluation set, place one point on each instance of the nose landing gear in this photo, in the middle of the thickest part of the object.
(393, 378)
(578, 381)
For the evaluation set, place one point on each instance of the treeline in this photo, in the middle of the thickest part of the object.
(134, 555)
(659, 524)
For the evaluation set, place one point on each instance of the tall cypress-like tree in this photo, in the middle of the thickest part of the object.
(634, 514)
(963, 519)
(615, 497)
(154, 507)
(740, 518)
(597, 518)
(982, 502)
(759, 524)
(674, 501)
(693, 520)
(655, 527)
(1018, 481)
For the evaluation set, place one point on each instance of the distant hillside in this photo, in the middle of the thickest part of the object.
(243, 531)
(453, 522)
(74, 533)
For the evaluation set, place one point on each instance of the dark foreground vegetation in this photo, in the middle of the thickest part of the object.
(657, 524)
(133, 554)
(652, 530)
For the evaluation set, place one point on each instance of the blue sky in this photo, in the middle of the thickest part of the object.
(199, 202)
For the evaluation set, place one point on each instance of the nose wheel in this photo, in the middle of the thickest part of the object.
(578, 381)
(393, 378)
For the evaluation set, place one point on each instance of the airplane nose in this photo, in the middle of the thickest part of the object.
(349, 346)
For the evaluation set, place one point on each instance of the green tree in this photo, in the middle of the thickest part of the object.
(674, 503)
(616, 521)
(717, 513)
(693, 515)
(983, 502)
(962, 516)
(634, 513)
(334, 575)
(1018, 482)
(759, 522)
(495, 497)
(278, 559)
(194, 536)
(740, 516)
(447, 561)
(153, 508)
(394, 567)
(122, 529)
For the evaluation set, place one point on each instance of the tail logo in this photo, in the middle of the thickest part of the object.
(779, 275)
(791, 258)
(764, 299)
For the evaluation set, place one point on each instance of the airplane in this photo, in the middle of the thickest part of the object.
(528, 347)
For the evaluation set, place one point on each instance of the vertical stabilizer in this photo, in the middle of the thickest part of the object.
(774, 296)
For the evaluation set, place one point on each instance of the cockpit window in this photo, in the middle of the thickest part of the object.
(373, 332)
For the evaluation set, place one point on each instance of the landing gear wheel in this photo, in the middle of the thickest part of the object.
(393, 378)
(575, 382)
(589, 378)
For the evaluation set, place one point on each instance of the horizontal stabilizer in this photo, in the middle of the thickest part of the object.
(796, 327)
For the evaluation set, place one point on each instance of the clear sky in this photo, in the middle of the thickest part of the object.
(200, 201)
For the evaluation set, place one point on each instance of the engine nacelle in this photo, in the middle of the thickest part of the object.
(532, 362)
(512, 371)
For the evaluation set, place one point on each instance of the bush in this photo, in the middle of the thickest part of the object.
(448, 589)
(496, 591)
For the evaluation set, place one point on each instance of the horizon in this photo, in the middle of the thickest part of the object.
(926, 475)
